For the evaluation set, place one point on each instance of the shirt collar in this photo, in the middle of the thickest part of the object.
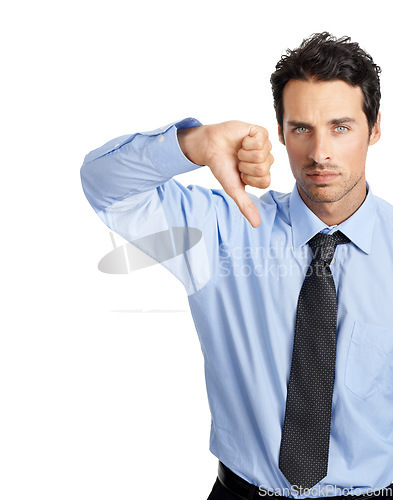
(358, 228)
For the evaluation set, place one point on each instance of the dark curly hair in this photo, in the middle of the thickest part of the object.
(323, 57)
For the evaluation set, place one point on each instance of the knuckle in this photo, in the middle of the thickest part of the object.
(259, 157)
(264, 132)
(264, 181)
(258, 183)
(260, 170)
(243, 166)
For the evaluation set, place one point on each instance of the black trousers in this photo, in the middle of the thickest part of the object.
(219, 492)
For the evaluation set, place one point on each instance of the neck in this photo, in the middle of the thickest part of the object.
(336, 212)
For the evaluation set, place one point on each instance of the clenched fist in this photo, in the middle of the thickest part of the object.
(237, 153)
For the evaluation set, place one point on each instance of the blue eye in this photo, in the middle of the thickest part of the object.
(341, 128)
(301, 130)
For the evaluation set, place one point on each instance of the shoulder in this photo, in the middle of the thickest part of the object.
(385, 210)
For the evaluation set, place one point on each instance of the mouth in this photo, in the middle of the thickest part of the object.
(322, 176)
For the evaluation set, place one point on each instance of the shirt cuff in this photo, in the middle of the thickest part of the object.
(165, 152)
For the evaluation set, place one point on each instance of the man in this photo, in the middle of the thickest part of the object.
(290, 293)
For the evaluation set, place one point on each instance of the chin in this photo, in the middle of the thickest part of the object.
(323, 194)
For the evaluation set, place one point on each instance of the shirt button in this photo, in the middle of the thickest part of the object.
(160, 138)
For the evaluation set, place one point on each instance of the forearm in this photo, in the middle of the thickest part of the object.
(133, 164)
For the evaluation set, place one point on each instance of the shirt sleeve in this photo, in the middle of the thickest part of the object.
(129, 183)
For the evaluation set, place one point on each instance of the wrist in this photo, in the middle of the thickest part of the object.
(193, 143)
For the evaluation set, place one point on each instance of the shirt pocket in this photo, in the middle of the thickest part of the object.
(369, 367)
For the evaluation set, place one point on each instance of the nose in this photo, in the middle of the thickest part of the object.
(320, 148)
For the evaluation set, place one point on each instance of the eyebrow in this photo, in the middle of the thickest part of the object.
(335, 121)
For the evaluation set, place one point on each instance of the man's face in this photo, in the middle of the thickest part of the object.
(326, 135)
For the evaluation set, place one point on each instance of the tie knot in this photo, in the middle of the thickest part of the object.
(323, 245)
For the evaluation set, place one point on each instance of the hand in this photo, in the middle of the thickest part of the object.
(238, 154)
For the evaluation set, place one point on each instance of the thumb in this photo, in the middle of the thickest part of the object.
(246, 206)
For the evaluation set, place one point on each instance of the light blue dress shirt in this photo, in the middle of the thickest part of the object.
(243, 285)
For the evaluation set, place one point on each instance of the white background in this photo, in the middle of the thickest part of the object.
(101, 377)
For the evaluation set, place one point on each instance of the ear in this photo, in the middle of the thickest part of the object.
(376, 131)
(280, 134)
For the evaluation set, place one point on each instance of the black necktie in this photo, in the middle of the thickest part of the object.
(305, 439)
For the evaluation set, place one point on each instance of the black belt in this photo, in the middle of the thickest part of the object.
(247, 491)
